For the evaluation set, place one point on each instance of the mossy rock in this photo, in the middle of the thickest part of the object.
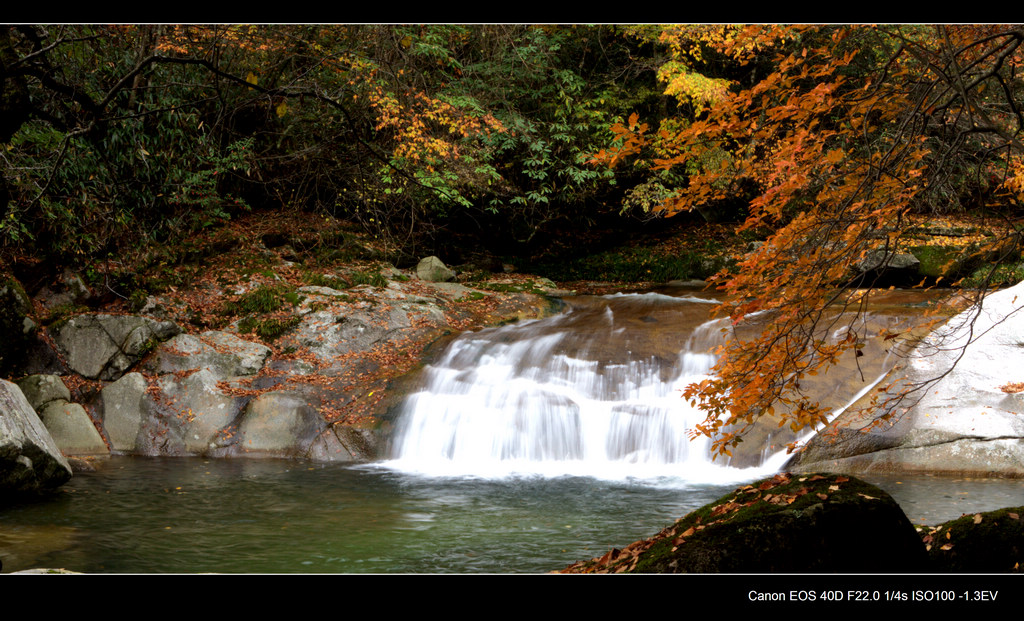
(987, 542)
(15, 324)
(813, 523)
(938, 260)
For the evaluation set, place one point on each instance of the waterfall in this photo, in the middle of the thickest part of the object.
(595, 391)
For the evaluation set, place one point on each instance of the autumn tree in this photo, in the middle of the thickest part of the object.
(120, 135)
(105, 142)
(854, 129)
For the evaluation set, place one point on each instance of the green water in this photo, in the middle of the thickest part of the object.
(179, 515)
(193, 515)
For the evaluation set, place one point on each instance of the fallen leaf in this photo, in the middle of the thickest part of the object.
(977, 518)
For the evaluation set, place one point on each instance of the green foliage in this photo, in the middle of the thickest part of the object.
(630, 265)
(260, 300)
(270, 328)
(263, 299)
(372, 278)
(128, 135)
(260, 307)
(1001, 275)
(102, 168)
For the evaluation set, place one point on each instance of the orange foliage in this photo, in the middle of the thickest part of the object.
(840, 157)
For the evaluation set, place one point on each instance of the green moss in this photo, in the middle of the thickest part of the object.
(989, 542)
(325, 280)
(259, 300)
(471, 297)
(263, 299)
(372, 278)
(137, 300)
(258, 304)
(936, 260)
(272, 328)
(996, 276)
(15, 306)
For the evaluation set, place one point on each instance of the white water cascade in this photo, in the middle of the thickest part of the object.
(595, 391)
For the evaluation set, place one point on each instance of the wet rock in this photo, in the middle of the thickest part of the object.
(278, 424)
(42, 389)
(201, 409)
(884, 268)
(72, 429)
(124, 406)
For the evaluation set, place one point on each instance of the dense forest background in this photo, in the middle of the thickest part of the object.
(116, 137)
(819, 145)
(119, 136)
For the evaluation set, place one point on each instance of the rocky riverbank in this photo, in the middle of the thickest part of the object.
(293, 370)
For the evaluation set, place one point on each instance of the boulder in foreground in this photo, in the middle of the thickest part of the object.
(987, 542)
(30, 461)
(811, 523)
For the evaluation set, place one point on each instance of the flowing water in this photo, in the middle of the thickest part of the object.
(525, 448)
(595, 391)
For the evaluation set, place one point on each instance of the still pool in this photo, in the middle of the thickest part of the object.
(142, 515)
(138, 515)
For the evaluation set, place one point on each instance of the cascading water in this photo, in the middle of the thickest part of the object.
(595, 391)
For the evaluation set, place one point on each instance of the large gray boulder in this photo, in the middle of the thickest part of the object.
(222, 353)
(278, 424)
(103, 347)
(334, 329)
(124, 406)
(969, 421)
(30, 461)
(433, 269)
(68, 423)
(201, 408)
